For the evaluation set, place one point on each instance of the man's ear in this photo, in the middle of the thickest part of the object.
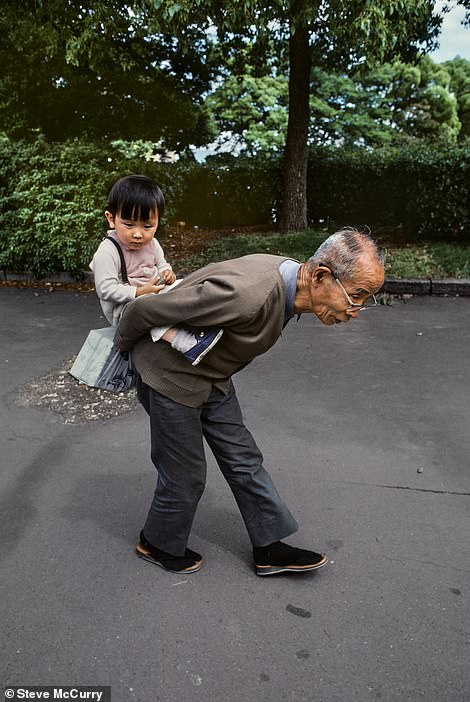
(110, 219)
(320, 272)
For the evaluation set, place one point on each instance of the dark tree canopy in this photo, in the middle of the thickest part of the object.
(146, 69)
(94, 69)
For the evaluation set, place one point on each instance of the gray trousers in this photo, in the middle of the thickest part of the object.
(177, 452)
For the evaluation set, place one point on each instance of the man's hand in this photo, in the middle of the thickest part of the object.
(153, 286)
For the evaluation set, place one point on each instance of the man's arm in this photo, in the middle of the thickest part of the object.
(213, 302)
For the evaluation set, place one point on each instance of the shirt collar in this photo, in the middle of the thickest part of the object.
(289, 270)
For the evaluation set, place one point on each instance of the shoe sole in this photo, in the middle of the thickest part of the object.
(211, 345)
(146, 556)
(274, 570)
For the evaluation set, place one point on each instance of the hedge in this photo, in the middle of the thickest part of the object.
(52, 196)
(420, 188)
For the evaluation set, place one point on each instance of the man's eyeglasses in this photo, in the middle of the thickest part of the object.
(367, 305)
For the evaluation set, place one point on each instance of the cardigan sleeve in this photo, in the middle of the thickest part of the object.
(105, 266)
(160, 261)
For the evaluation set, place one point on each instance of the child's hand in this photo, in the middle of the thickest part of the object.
(153, 286)
(169, 277)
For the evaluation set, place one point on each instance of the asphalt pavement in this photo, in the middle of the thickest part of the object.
(365, 430)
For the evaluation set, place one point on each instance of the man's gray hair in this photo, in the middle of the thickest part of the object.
(342, 251)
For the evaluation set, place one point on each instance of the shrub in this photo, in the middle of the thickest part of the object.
(418, 187)
(230, 191)
(52, 198)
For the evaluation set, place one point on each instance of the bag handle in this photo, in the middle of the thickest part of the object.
(124, 277)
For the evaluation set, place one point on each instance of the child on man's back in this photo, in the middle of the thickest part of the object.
(135, 206)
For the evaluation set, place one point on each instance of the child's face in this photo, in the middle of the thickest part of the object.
(133, 233)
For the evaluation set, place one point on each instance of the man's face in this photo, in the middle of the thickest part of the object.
(329, 299)
(133, 233)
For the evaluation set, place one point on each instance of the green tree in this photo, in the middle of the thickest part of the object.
(459, 72)
(95, 69)
(321, 33)
(377, 107)
(407, 101)
(251, 112)
(142, 68)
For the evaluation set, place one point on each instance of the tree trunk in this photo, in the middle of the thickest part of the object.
(294, 198)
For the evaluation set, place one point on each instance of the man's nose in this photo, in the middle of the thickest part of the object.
(353, 313)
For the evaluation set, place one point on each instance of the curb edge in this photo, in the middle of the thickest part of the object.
(392, 286)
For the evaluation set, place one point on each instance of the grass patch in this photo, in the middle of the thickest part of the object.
(299, 246)
(430, 260)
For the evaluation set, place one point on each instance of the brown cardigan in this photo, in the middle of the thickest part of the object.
(246, 296)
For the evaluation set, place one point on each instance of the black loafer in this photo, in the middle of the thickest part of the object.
(282, 558)
(191, 562)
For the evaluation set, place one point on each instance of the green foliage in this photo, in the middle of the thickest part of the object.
(418, 187)
(383, 105)
(375, 107)
(253, 109)
(46, 219)
(96, 69)
(52, 199)
(342, 31)
(459, 72)
(230, 190)
(431, 260)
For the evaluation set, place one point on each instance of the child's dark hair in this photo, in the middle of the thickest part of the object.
(135, 197)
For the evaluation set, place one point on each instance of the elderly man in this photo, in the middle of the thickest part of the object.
(251, 298)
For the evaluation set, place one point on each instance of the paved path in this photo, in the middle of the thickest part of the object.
(365, 429)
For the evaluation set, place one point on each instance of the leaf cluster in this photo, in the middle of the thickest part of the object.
(385, 105)
(418, 188)
(52, 199)
(52, 196)
(97, 70)
(143, 69)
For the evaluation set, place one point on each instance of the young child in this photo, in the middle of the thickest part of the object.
(135, 206)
